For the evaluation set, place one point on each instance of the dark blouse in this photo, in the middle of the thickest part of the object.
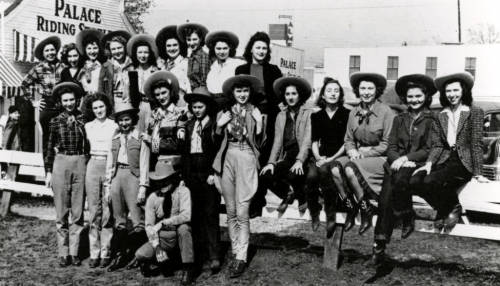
(329, 132)
(67, 77)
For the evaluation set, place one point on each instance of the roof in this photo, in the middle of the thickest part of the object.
(8, 74)
(12, 6)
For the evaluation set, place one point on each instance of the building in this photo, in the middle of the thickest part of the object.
(482, 61)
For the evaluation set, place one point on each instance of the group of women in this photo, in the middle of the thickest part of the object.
(239, 127)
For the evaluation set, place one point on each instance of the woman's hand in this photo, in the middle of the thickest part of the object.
(211, 180)
(268, 167)
(48, 180)
(481, 179)
(409, 164)
(321, 161)
(141, 196)
(181, 134)
(426, 168)
(398, 163)
(161, 255)
(224, 119)
(297, 168)
(146, 138)
(354, 154)
(42, 104)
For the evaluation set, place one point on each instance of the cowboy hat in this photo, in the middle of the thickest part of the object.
(54, 40)
(84, 34)
(161, 76)
(403, 82)
(303, 87)
(213, 37)
(142, 38)
(59, 88)
(122, 108)
(466, 78)
(120, 33)
(200, 94)
(164, 169)
(378, 79)
(181, 30)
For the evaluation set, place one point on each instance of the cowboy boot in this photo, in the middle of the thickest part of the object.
(378, 252)
(366, 210)
(408, 225)
(120, 259)
(288, 200)
(352, 211)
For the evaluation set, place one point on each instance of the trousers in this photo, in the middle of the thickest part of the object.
(168, 242)
(124, 190)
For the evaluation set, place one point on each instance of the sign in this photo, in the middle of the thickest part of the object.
(289, 60)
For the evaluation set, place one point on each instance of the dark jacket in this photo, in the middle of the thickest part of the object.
(469, 140)
(271, 73)
(106, 81)
(410, 139)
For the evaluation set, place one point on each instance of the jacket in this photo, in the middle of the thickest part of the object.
(137, 156)
(302, 131)
(469, 140)
(410, 139)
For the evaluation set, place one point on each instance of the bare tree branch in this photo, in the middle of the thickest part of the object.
(483, 33)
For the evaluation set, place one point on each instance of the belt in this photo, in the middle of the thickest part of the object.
(70, 153)
(123, 166)
(99, 157)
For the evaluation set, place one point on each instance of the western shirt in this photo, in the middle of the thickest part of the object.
(220, 72)
(196, 142)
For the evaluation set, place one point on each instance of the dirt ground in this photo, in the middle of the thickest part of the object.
(283, 252)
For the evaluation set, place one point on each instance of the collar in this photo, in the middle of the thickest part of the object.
(134, 134)
(178, 59)
(374, 109)
(127, 62)
(171, 107)
(55, 63)
(461, 108)
(204, 121)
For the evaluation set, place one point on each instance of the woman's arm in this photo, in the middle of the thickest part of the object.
(392, 149)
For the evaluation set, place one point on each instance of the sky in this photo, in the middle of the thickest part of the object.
(327, 23)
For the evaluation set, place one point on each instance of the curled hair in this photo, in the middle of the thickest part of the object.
(379, 90)
(423, 88)
(253, 93)
(211, 48)
(133, 115)
(118, 39)
(262, 37)
(302, 97)
(174, 97)
(162, 47)
(65, 51)
(466, 93)
(191, 30)
(327, 81)
(133, 56)
(98, 96)
(92, 40)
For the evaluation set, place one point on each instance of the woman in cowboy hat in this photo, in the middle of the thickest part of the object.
(113, 80)
(284, 172)
(456, 154)
(142, 50)
(70, 56)
(222, 48)
(165, 125)
(100, 132)
(65, 170)
(41, 79)
(193, 35)
(198, 153)
(409, 146)
(172, 57)
(328, 128)
(237, 161)
(168, 217)
(361, 172)
(258, 54)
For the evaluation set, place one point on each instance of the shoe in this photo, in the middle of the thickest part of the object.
(215, 266)
(133, 264)
(237, 269)
(352, 211)
(64, 261)
(315, 223)
(330, 229)
(378, 253)
(288, 200)
(75, 261)
(302, 208)
(120, 261)
(145, 269)
(187, 274)
(366, 210)
(438, 222)
(93, 262)
(105, 262)
(408, 225)
(453, 218)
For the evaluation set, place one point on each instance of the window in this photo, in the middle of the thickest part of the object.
(470, 66)
(354, 64)
(431, 66)
(392, 68)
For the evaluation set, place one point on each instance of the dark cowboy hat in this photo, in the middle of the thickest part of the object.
(120, 33)
(200, 94)
(164, 169)
(122, 108)
(213, 37)
(165, 33)
(464, 77)
(303, 87)
(161, 76)
(83, 34)
(243, 79)
(145, 38)
(181, 30)
(77, 89)
(376, 78)
(54, 40)
(422, 79)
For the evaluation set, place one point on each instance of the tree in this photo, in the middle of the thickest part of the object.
(134, 9)
(483, 34)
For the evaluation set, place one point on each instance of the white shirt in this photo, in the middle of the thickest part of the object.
(453, 120)
(196, 146)
(100, 134)
(91, 86)
(220, 72)
(179, 67)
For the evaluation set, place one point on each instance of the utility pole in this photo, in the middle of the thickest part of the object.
(459, 24)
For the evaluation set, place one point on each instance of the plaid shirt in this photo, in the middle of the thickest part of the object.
(43, 77)
(198, 68)
(68, 136)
